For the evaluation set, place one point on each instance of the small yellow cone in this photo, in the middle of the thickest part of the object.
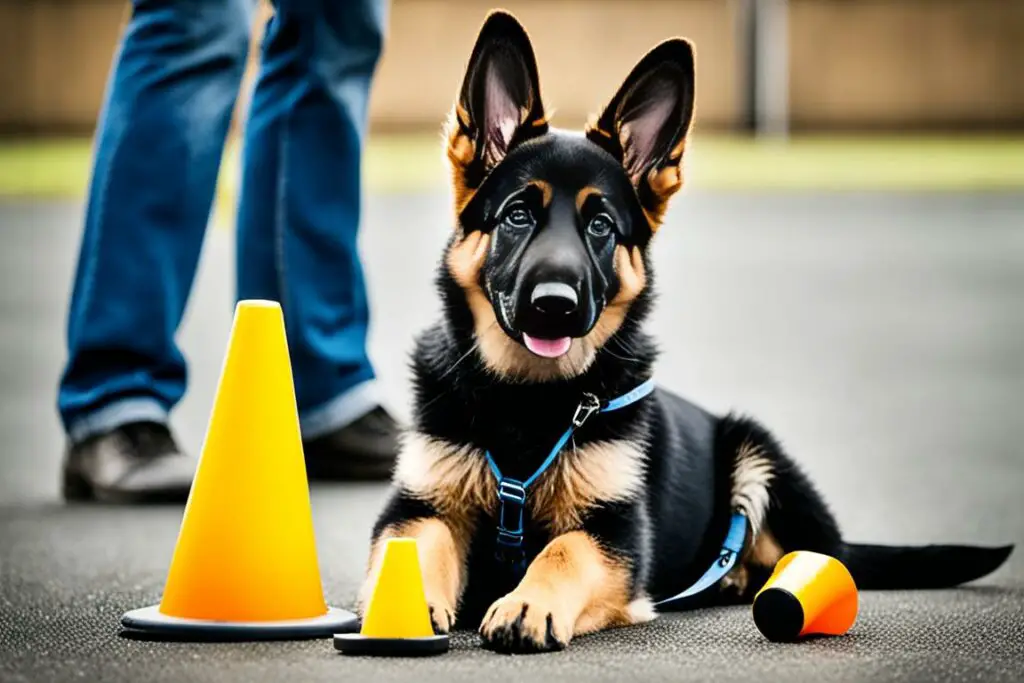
(398, 606)
(397, 619)
(245, 558)
(807, 594)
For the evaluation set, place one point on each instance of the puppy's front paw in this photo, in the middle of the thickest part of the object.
(442, 617)
(520, 623)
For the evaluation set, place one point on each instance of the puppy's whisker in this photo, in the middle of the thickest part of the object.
(453, 366)
(434, 400)
(463, 357)
(627, 359)
(623, 344)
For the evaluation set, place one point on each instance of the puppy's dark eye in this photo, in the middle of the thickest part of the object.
(519, 218)
(600, 225)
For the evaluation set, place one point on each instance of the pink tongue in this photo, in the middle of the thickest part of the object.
(548, 348)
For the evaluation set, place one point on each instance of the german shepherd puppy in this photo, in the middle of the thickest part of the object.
(545, 282)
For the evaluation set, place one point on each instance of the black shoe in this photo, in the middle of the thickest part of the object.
(135, 463)
(364, 450)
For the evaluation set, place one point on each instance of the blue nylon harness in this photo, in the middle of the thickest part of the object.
(512, 499)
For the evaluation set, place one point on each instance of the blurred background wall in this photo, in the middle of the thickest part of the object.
(850, 64)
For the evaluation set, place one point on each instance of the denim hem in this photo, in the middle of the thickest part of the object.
(340, 411)
(115, 415)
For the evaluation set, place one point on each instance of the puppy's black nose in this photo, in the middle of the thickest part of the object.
(554, 298)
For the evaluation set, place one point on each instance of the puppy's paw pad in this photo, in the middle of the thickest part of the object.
(516, 625)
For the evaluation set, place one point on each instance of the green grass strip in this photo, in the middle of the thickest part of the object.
(399, 163)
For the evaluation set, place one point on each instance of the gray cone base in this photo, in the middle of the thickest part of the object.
(151, 620)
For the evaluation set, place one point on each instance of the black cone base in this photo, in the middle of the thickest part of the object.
(778, 615)
(360, 645)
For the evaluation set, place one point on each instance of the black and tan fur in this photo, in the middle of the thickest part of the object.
(635, 508)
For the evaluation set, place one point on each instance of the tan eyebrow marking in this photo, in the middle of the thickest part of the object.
(545, 191)
(584, 194)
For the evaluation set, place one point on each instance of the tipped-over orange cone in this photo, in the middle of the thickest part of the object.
(245, 564)
(397, 620)
(807, 594)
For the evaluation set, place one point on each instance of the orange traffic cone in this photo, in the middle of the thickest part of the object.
(807, 594)
(397, 619)
(245, 564)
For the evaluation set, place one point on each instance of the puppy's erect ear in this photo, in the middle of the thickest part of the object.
(499, 104)
(645, 124)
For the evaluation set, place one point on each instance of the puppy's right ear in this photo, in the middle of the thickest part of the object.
(499, 104)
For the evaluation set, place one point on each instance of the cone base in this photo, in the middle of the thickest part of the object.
(357, 644)
(152, 621)
(778, 615)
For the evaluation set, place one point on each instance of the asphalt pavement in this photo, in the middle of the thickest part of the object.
(881, 336)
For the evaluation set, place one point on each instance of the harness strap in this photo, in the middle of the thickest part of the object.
(512, 492)
(632, 397)
(512, 500)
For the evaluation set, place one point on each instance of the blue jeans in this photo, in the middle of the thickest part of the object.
(159, 142)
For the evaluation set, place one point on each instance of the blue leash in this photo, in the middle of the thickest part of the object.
(512, 498)
(731, 548)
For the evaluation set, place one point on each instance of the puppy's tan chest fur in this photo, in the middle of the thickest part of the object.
(458, 483)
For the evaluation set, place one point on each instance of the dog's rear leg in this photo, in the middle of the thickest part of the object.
(784, 509)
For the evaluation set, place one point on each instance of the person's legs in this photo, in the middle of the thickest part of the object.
(159, 141)
(299, 216)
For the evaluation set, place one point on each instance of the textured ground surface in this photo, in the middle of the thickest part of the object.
(881, 336)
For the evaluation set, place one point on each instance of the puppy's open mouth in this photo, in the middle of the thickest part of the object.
(547, 348)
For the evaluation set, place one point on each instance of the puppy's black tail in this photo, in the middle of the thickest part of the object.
(881, 567)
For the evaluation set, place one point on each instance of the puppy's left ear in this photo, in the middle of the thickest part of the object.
(499, 104)
(645, 124)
